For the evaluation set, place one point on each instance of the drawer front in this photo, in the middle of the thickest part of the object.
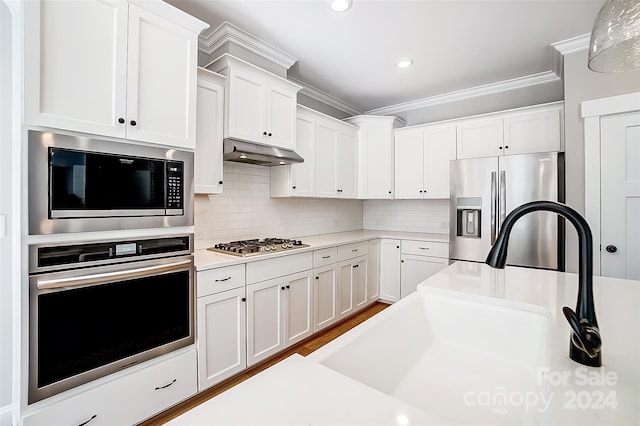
(220, 279)
(128, 399)
(279, 267)
(349, 251)
(425, 248)
(325, 257)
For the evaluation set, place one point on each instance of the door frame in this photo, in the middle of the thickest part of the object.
(592, 111)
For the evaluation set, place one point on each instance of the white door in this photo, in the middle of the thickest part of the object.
(247, 99)
(298, 295)
(303, 174)
(221, 336)
(345, 288)
(347, 160)
(390, 270)
(620, 196)
(373, 271)
(161, 80)
(281, 116)
(325, 291)
(208, 172)
(377, 147)
(265, 329)
(415, 269)
(439, 150)
(480, 138)
(326, 145)
(409, 167)
(359, 278)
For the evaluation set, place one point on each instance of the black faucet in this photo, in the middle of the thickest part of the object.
(585, 341)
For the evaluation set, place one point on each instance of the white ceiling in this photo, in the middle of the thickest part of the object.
(455, 45)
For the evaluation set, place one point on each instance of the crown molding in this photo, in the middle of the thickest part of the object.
(320, 96)
(487, 89)
(229, 33)
(571, 45)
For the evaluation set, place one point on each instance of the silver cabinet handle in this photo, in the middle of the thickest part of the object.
(223, 279)
(110, 276)
(494, 201)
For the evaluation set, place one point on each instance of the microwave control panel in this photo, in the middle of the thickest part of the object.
(175, 185)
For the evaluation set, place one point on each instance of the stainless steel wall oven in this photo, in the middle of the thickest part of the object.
(82, 184)
(100, 307)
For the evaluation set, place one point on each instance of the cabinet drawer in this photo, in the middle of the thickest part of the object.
(325, 257)
(425, 248)
(128, 399)
(350, 251)
(220, 279)
(279, 267)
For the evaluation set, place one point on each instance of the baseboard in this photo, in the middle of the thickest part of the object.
(5, 415)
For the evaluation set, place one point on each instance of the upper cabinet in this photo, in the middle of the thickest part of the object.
(376, 153)
(208, 173)
(422, 157)
(260, 106)
(527, 130)
(112, 68)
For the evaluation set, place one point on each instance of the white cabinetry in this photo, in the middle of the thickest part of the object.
(389, 270)
(280, 308)
(422, 157)
(336, 159)
(209, 123)
(127, 399)
(527, 130)
(373, 271)
(260, 106)
(420, 260)
(112, 68)
(325, 287)
(352, 277)
(375, 148)
(221, 324)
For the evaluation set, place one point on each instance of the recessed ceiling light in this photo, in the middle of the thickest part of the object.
(341, 5)
(404, 63)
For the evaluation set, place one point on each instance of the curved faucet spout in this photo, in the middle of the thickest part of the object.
(585, 339)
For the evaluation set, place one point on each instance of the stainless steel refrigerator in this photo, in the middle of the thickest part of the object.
(485, 190)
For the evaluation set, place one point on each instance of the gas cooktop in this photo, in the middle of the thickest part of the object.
(257, 247)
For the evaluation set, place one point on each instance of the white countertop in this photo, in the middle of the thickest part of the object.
(206, 259)
(300, 391)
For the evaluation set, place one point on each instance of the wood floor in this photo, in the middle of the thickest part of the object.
(303, 348)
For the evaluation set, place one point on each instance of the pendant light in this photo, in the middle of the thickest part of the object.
(615, 39)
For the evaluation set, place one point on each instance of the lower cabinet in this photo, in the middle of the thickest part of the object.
(352, 285)
(221, 336)
(415, 269)
(128, 399)
(279, 314)
(389, 270)
(325, 296)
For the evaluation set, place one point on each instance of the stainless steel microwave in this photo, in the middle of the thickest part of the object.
(79, 184)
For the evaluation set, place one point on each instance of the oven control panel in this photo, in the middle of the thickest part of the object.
(175, 185)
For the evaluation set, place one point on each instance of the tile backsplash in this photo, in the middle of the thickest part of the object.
(246, 210)
(430, 216)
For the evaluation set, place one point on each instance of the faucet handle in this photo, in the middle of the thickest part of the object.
(585, 336)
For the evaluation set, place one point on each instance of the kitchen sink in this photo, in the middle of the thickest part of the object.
(461, 358)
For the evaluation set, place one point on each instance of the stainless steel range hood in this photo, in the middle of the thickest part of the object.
(252, 153)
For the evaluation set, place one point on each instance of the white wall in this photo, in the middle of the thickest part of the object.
(581, 84)
(245, 210)
(430, 216)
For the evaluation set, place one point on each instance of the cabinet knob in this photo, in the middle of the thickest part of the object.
(499, 147)
(269, 134)
(421, 191)
(121, 120)
(611, 249)
(317, 278)
(294, 187)
(506, 147)
(264, 133)
(339, 190)
(389, 192)
(402, 261)
(219, 182)
(244, 299)
(288, 287)
(397, 246)
(133, 122)
(282, 288)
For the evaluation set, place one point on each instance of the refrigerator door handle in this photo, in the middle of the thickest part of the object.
(502, 197)
(494, 202)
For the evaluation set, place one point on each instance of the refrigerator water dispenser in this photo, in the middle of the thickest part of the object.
(469, 216)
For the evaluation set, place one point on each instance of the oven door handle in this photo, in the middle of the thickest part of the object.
(110, 276)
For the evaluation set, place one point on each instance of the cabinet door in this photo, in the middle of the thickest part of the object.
(161, 80)
(345, 288)
(246, 103)
(221, 335)
(480, 138)
(390, 270)
(298, 319)
(347, 163)
(303, 174)
(377, 161)
(281, 117)
(75, 65)
(409, 168)
(265, 327)
(326, 145)
(415, 269)
(532, 132)
(439, 150)
(359, 277)
(208, 156)
(373, 271)
(325, 292)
